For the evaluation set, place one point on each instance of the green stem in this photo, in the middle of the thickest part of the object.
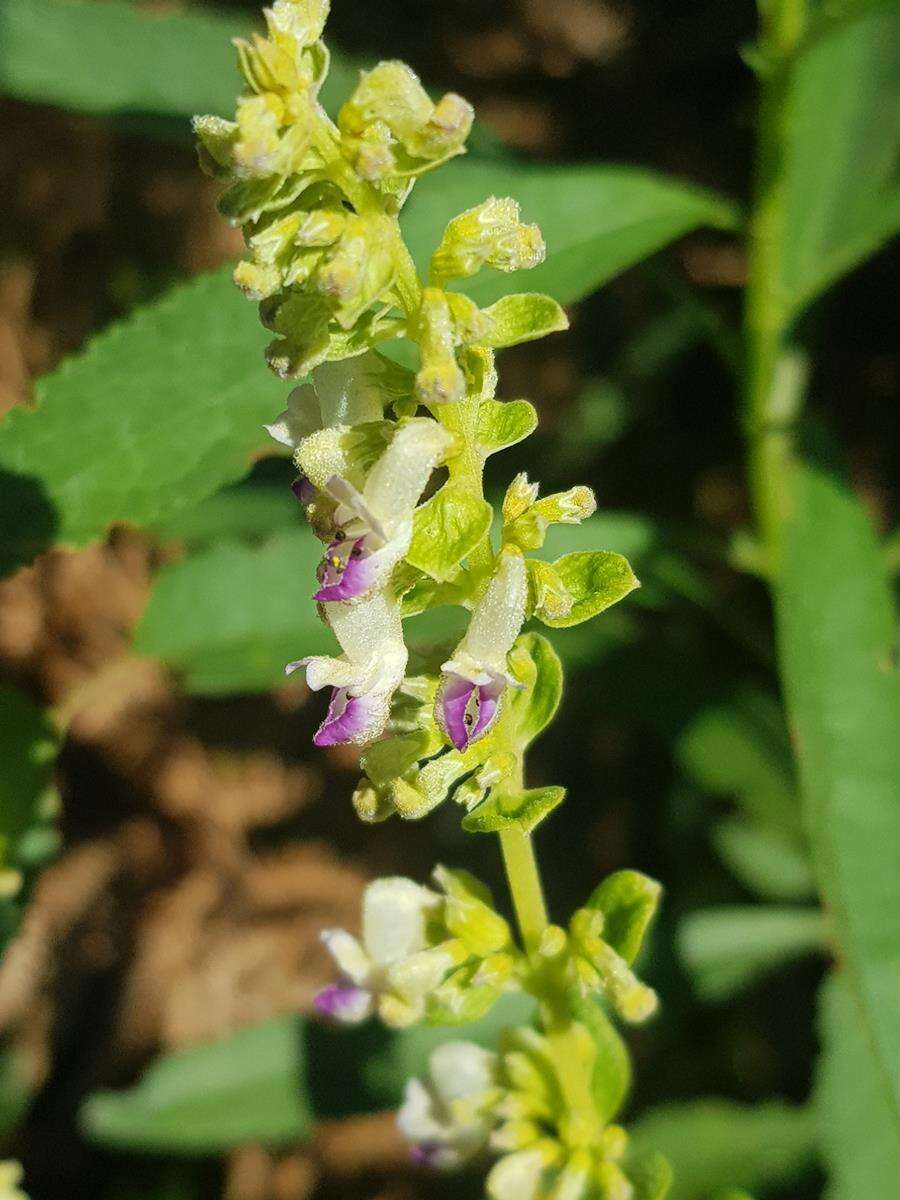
(770, 407)
(524, 884)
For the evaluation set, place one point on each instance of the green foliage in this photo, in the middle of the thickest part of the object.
(628, 901)
(725, 949)
(842, 186)
(227, 618)
(595, 579)
(767, 861)
(651, 1175)
(611, 1077)
(535, 663)
(446, 528)
(250, 1087)
(155, 415)
(835, 626)
(525, 809)
(523, 317)
(858, 1131)
(28, 746)
(714, 1144)
(118, 58)
(504, 423)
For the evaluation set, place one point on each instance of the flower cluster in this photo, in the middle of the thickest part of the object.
(513, 1104)
(390, 444)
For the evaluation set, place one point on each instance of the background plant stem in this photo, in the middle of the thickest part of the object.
(772, 382)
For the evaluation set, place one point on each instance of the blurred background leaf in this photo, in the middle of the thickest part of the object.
(835, 624)
(857, 1129)
(714, 1144)
(726, 949)
(250, 1087)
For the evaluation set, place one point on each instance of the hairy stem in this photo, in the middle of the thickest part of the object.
(771, 402)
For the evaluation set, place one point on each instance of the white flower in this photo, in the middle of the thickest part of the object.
(374, 526)
(474, 679)
(342, 393)
(517, 1176)
(446, 1118)
(365, 678)
(395, 966)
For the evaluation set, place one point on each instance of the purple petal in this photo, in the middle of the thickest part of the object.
(303, 490)
(343, 1002)
(347, 571)
(466, 710)
(425, 1154)
(349, 718)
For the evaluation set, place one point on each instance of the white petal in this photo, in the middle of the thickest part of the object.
(324, 671)
(415, 1117)
(371, 635)
(301, 418)
(398, 478)
(394, 913)
(461, 1070)
(351, 959)
(498, 616)
(516, 1176)
(349, 391)
(323, 455)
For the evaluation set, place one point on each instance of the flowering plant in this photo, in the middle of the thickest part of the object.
(318, 202)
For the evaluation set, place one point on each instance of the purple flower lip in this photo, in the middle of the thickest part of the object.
(425, 1154)
(342, 1002)
(346, 720)
(303, 490)
(467, 710)
(346, 571)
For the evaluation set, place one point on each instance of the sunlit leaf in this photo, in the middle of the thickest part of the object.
(835, 625)
(251, 1087)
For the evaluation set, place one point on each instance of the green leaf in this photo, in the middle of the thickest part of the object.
(523, 317)
(248, 512)
(716, 1143)
(767, 861)
(228, 618)
(835, 625)
(28, 746)
(611, 1077)
(120, 58)
(651, 1176)
(446, 528)
(741, 750)
(596, 579)
(158, 413)
(536, 664)
(858, 1133)
(725, 949)
(525, 809)
(596, 220)
(502, 423)
(842, 192)
(628, 901)
(250, 1087)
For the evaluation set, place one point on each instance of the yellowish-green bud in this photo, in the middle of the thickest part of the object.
(515, 1135)
(553, 942)
(548, 596)
(468, 912)
(568, 508)
(614, 1142)
(520, 495)
(612, 1183)
(490, 234)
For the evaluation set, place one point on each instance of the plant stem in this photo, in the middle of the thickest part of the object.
(771, 404)
(524, 884)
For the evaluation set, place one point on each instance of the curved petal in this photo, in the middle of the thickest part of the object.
(352, 961)
(324, 671)
(466, 710)
(397, 480)
(301, 418)
(353, 719)
(395, 912)
(349, 391)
